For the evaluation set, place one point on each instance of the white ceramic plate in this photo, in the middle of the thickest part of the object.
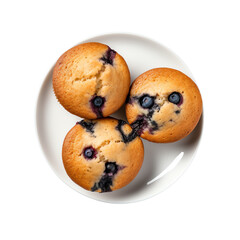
(163, 163)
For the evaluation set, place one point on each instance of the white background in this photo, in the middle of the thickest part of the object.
(203, 203)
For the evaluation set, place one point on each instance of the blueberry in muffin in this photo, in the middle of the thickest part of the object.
(102, 155)
(91, 80)
(164, 105)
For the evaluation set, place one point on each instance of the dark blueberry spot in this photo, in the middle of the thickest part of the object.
(154, 126)
(111, 167)
(139, 125)
(97, 104)
(104, 184)
(125, 137)
(177, 112)
(87, 125)
(151, 111)
(109, 56)
(150, 114)
(98, 101)
(106, 181)
(144, 122)
(146, 101)
(94, 188)
(89, 152)
(170, 120)
(175, 98)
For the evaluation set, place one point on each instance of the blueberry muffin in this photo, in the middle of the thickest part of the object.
(164, 105)
(91, 80)
(102, 155)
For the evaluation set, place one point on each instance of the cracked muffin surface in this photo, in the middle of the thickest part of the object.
(164, 105)
(91, 80)
(102, 155)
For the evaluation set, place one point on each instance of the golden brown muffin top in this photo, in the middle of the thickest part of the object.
(164, 105)
(88, 71)
(102, 155)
